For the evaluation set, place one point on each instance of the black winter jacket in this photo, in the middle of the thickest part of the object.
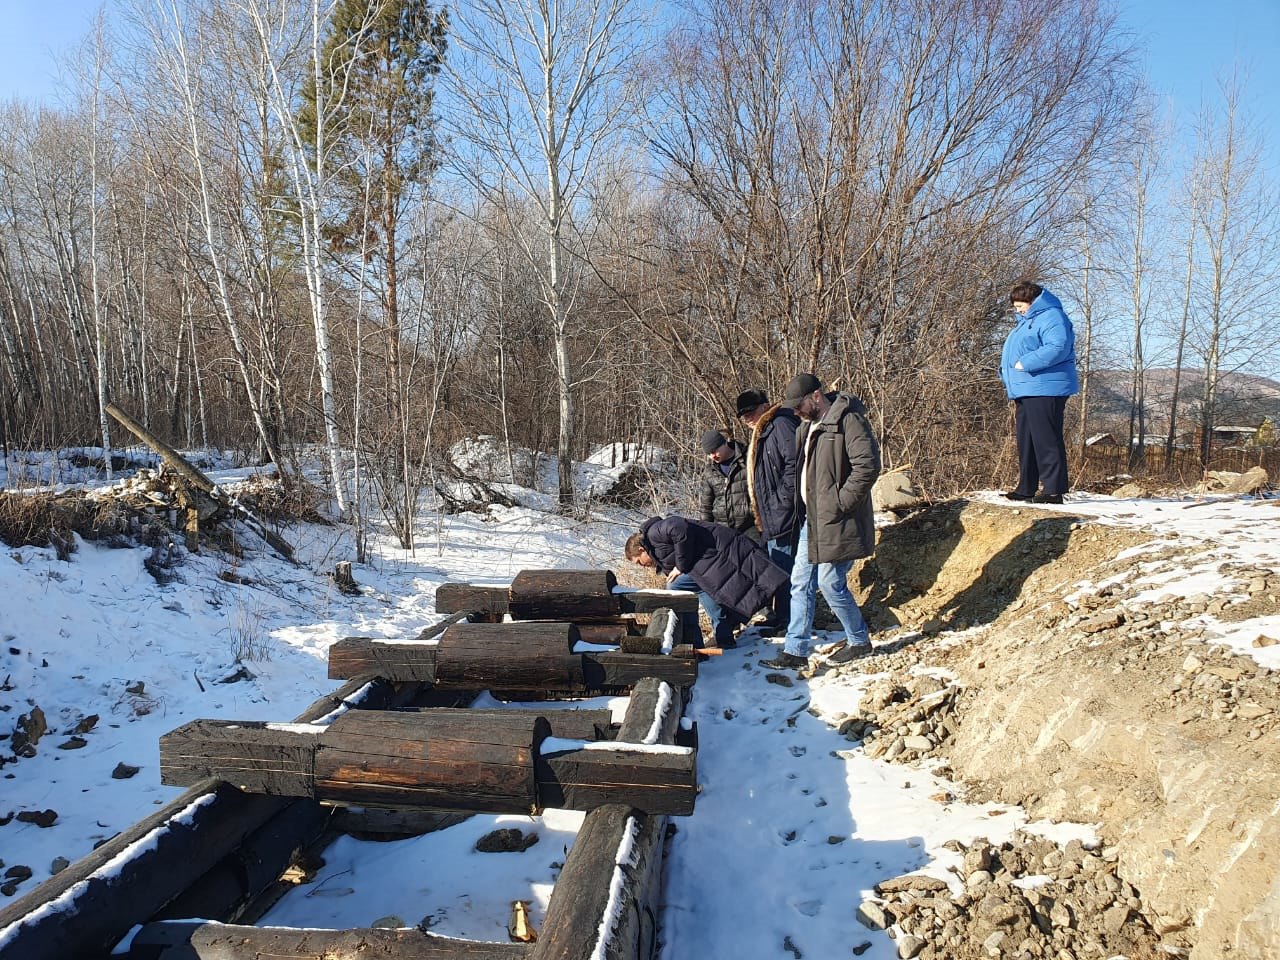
(730, 566)
(771, 469)
(726, 498)
(843, 463)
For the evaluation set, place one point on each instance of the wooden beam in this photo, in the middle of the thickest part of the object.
(450, 760)
(563, 595)
(493, 602)
(648, 601)
(201, 940)
(524, 656)
(88, 907)
(488, 603)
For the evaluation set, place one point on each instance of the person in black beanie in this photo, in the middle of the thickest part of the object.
(723, 496)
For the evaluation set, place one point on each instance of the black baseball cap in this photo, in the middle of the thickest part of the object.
(798, 387)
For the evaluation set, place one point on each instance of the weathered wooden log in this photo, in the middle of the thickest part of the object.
(489, 604)
(647, 601)
(563, 595)
(369, 758)
(492, 602)
(453, 760)
(509, 656)
(119, 888)
(526, 656)
(659, 783)
(256, 756)
(132, 876)
(200, 940)
(606, 631)
(611, 671)
(574, 724)
(600, 907)
(252, 867)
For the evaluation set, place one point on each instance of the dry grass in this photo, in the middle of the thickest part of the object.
(33, 520)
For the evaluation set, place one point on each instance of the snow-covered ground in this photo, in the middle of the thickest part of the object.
(792, 826)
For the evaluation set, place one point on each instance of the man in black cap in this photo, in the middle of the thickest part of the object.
(724, 496)
(771, 483)
(839, 461)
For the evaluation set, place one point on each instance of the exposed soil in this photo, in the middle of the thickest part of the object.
(1085, 693)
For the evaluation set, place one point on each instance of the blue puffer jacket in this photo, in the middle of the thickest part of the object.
(1046, 346)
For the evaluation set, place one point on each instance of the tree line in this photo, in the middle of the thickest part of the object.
(371, 227)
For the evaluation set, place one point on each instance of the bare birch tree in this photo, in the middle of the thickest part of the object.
(540, 87)
(1238, 219)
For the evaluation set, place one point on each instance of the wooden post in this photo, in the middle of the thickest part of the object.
(564, 595)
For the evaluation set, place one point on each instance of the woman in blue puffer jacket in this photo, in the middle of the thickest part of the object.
(1038, 367)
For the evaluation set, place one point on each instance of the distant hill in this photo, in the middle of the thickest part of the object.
(1243, 399)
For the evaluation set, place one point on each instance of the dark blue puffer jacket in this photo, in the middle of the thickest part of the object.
(728, 565)
(771, 463)
(1044, 343)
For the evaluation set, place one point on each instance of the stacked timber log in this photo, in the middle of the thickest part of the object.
(261, 791)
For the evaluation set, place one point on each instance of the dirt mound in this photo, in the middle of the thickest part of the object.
(1085, 694)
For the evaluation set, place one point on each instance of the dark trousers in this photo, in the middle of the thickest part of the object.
(1042, 453)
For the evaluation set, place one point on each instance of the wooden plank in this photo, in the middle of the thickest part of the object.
(563, 595)
(581, 923)
(201, 940)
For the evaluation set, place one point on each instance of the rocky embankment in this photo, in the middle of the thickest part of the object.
(1082, 690)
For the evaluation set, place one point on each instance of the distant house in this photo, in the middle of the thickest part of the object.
(1233, 436)
(1102, 441)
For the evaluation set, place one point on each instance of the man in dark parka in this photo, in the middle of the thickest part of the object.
(839, 462)
(771, 477)
(733, 573)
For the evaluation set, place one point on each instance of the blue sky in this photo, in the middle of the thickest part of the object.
(1187, 41)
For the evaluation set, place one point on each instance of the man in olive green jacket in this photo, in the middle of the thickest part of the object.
(839, 461)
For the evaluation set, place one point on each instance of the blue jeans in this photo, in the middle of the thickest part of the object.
(723, 622)
(780, 553)
(806, 578)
